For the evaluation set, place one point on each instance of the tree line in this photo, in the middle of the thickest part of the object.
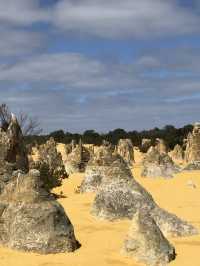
(170, 134)
(32, 132)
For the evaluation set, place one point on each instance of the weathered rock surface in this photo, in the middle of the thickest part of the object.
(192, 166)
(126, 151)
(31, 220)
(192, 153)
(13, 154)
(77, 160)
(120, 199)
(171, 225)
(156, 164)
(177, 154)
(98, 167)
(160, 146)
(146, 144)
(49, 163)
(119, 196)
(146, 243)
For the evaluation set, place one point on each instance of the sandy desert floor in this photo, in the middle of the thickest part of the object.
(102, 241)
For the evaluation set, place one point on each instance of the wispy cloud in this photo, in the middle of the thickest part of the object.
(125, 19)
(75, 91)
(22, 12)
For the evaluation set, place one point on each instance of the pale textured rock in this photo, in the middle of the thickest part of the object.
(119, 196)
(146, 144)
(177, 154)
(171, 225)
(156, 164)
(161, 146)
(192, 153)
(13, 154)
(77, 160)
(98, 167)
(31, 220)
(126, 151)
(49, 162)
(120, 199)
(146, 243)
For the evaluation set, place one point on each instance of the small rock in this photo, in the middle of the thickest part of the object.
(146, 243)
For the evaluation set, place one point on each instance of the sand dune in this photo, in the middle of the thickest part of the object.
(102, 241)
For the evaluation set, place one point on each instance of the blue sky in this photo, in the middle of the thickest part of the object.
(99, 64)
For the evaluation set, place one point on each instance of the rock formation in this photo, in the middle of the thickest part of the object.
(77, 160)
(106, 143)
(97, 167)
(146, 243)
(146, 144)
(157, 164)
(177, 154)
(13, 153)
(125, 150)
(49, 163)
(160, 146)
(192, 153)
(31, 220)
(119, 197)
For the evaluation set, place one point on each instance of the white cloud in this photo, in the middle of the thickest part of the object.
(72, 70)
(73, 90)
(113, 19)
(125, 19)
(16, 18)
(166, 74)
(22, 12)
(17, 42)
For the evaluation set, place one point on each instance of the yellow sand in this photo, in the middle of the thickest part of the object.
(102, 241)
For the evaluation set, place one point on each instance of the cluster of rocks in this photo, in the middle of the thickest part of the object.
(32, 220)
(77, 159)
(50, 164)
(119, 196)
(158, 164)
(192, 153)
(30, 217)
(126, 150)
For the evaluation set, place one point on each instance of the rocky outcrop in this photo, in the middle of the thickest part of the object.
(119, 196)
(13, 154)
(177, 154)
(192, 153)
(171, 225)
(146, 144)
(98, 168)
(95, 169)
(31, 220)
(157, 164)
(49, 163)
(77, 160)
(146, 243)
(126, 151)
(160, 146)
(120, 199)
